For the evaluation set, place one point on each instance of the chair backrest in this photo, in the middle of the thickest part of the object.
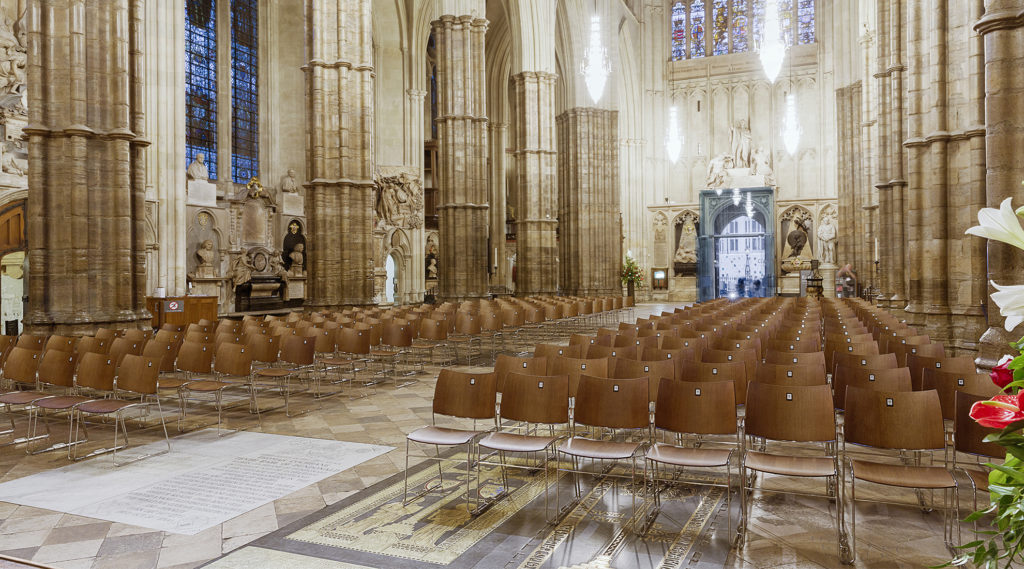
(612, 403)
(885, 379)
(655, 370)
(949, 383)
(581, 340)
(796, 358)
(324, 340)
(967, 433)
(95, 371)
(262, 348)
(535, 398)
(166, 352)
(804, 345)
(31, 342)
(168, 336)
(549, 350)
(353, 341)
(801, 413)
(105, 334)
(122, 347)
(194, 357)
(172, 327)
(467, 323)
(233, 360)
(465, 395)
(57, 367)
(576, 368)
(748, 357)
(199, 336)
(875, 361)
(783, 374)
(92, 344)
(137, 336)
(298, 350)
(734, 372)
(61, 343)
(505, 364)
(904, 420)
(138, 374)
(397, 335)
(918, 363)
(435, 330)
(693, 407)
(22, 364)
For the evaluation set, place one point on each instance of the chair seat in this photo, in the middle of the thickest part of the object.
(979, 477)
(61, 401)
(423, 344)
(208, 385)
(681, 456)
(903, 476)
(274, 372)
(514, 442)
(442, 436)
(22, 397)
(335, 361)
(104, 406)
(603, 450)
(790, 465)
(383, 353)
(170, 383)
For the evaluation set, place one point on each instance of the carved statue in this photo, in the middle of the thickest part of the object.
(197, 170)
(399, 200)
(387, 200)
(276, 265)
(827, 239)
(288, 183)
(660, 223)
(205, 255)
(432, 268)
(739, 141)
(9, 163)
(13, 56)
(241, 269)
(687, 250)
(759, 166)
(797, 239)
(254, 187)
(716, 170)
(298, 259)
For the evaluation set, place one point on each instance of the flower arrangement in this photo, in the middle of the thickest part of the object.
(631, 273)
(1005, 412)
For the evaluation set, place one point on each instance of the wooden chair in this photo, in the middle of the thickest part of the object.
(794, 414)
(93, 374)
(576, 368)
(549, 350)
(968, 438)
(531, 401)
(748, 358)
(885, 379)
(61, 343)
(948, 383)
(608, 404)
(468, 332)
(19, 374)
(816, 359)
(783, 374)
(701, 409)
(654, 370)
(917, 365)
(876, 361)
(297, 359)
(433, 336)
(135, 390)
(908, 421)
(459, 395)
(232, 369)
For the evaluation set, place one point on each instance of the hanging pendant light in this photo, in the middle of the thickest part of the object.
(595, 67)
(673, 139)
(772, 49)
(791, 125)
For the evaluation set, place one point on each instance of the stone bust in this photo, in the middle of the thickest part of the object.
(298, 259)
(205, 255)
(197, 170)
(288, 183)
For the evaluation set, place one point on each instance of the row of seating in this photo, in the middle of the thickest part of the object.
(851, 399)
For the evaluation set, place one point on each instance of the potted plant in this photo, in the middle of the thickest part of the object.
(632, 276)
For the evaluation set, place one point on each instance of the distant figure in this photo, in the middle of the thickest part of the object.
(740, 142)
(827, 238)
(197, 170)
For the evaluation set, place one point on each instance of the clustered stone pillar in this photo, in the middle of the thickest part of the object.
(536, 172)
(86, 203)
(1002, 27)
(339, 84)
(590, 239)
(462, 156)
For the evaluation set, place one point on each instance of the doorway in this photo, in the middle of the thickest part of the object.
(12, 292)
(740, 257)
(735, 256)
(391, 279)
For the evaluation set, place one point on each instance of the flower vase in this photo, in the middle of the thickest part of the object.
(629, 289)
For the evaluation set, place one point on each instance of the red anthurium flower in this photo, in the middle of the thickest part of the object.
(998, 412)
(1002, 375)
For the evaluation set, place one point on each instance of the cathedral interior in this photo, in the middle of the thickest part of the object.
(498, 179)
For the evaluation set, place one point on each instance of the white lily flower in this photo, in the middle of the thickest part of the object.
(999, 224)
(1010, 300)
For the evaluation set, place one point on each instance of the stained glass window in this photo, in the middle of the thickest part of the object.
(786, 20)
(758, 22)
(697, 29)
(201, 83)
(245, 111)
(805, 20)
(678, 31)
(721, 35)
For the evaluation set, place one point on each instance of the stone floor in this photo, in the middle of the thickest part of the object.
(784, 532)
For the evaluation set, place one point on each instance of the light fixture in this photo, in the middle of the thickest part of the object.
(736, 197)
(772, 49)
(791, 125)
(595, 67)
(750, 206)
(673, 139)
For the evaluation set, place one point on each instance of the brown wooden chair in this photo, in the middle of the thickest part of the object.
(530, 401)
(654, 370)
(605, 405)
(506, 364)
(918, 363)
(297, 361)
(968, 438)
(949, 383)
(93, 374)
(816, 359)
(135, 390)
(19, 376)
(459, 395)
(396, 340)
(550, 350)
(748, 357)
(61, 343)
(783, 374)
(885, 379)
(906, 421)
(689, 408)
(876, 361)
(433, 336)
(793, 415)
(576, 368)
(468, 332)
(232, 369)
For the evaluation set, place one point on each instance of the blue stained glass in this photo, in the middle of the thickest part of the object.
(720, 39)
(739, 34)
(805, 21)
(786, 21)
(678, 31)
(758, 23)
(201, 83)
(245, 109)
(697, 29)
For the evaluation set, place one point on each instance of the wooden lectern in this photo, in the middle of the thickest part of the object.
(181, 310)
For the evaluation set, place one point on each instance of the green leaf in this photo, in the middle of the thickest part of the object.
(1011, 472)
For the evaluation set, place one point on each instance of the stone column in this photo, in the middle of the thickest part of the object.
(1002, 27)
(537, 196)
(86, 133)
(496, 139)
(462, 156)
(165, 163)
(339, 161)
(590, 238)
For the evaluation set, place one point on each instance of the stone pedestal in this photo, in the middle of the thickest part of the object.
(682, 289)
(296, 288)
(828, 280)
(294, 204)
(202, 193)
(789, 285)
(210, 286)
